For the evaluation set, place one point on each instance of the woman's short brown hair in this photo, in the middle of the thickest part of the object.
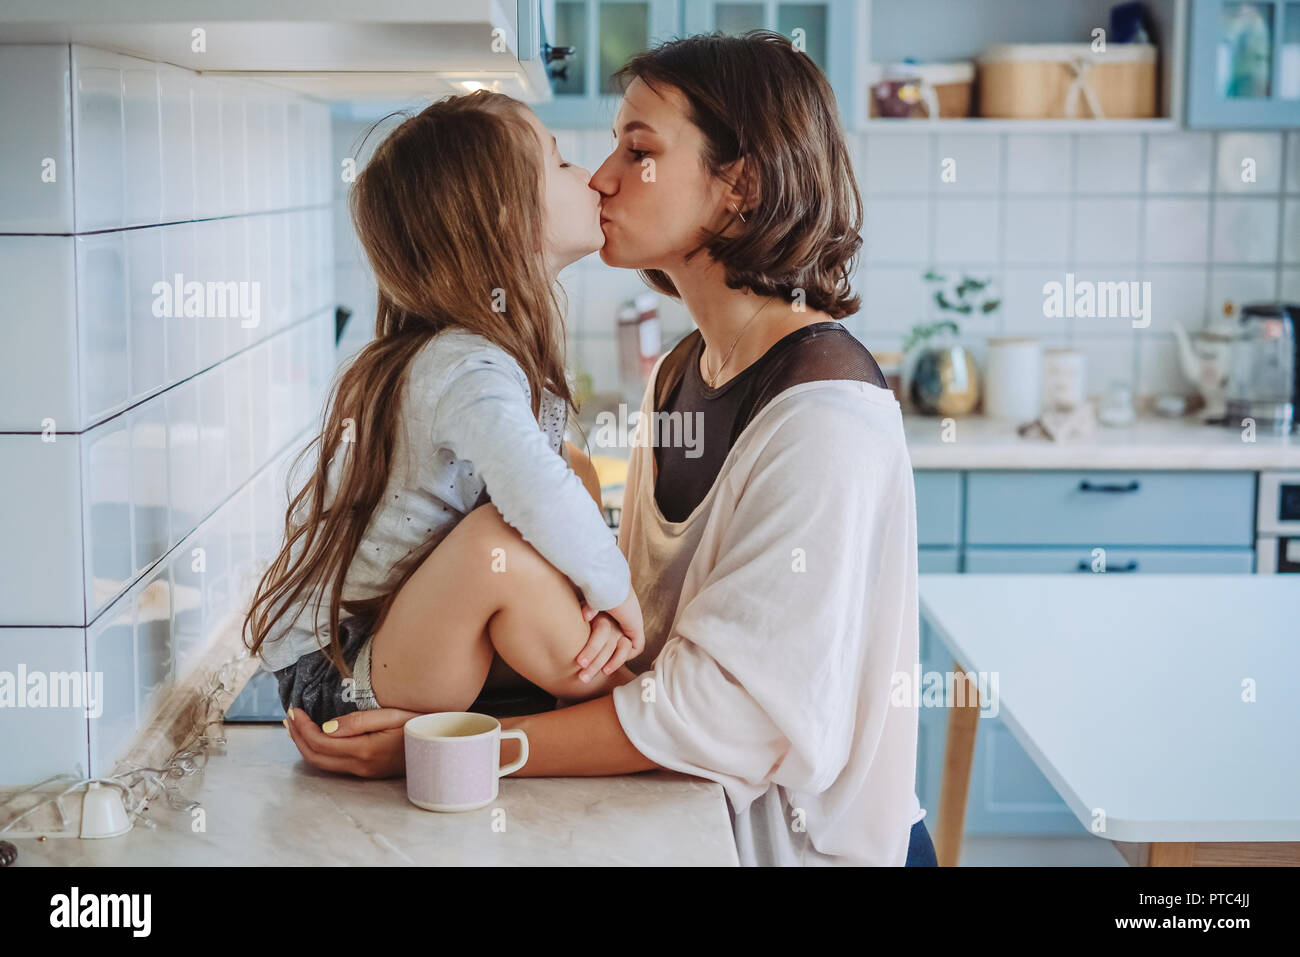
(755, 96)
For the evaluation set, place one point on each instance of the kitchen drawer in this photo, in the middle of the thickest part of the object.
(938, 508)
(1110, 508)
(1161, 561)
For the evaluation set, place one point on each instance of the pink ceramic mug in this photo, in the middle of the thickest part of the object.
(453, 759)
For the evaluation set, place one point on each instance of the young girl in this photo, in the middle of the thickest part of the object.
(442, 533)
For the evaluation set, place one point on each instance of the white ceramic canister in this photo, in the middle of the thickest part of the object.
(1013, 385)
(1064, 378)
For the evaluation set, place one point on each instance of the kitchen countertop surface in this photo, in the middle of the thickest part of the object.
(1150, 443)
(264, 806)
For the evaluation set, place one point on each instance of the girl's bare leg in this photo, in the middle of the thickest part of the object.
(483, 602)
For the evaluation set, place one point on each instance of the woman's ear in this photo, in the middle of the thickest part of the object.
(743, 191)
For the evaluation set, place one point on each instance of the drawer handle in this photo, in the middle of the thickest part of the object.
(1086, 566)
(1086, 486)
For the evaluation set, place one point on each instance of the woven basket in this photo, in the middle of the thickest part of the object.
(1068, 81)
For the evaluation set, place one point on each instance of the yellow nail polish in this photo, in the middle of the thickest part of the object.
(329, 727)
(285, 722)
(290, 713)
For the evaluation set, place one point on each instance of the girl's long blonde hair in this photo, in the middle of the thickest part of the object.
(450, 212)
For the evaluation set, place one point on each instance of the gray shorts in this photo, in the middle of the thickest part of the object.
(313, 685)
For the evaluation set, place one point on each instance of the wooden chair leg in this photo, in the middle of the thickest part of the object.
(959, 755)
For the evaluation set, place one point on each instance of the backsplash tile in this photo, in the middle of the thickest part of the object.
(149, 408)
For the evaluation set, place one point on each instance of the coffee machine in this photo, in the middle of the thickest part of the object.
(1264, 369)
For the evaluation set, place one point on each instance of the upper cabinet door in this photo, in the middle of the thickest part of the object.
(1244, 68)
(824, 29)
(604, 34)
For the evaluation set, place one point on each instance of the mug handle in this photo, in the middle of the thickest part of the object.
(523, 756)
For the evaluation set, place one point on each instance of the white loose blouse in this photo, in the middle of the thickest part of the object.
(776, 617)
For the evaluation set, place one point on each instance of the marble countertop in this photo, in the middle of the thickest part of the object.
(1150, 443)
(264, 806)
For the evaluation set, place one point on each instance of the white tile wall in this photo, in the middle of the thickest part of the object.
(1025, 209)
(166, 429)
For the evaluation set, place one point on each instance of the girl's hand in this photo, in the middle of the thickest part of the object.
(368, 744)
(616, 635)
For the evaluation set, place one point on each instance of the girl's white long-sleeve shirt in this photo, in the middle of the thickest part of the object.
(467, 436)
(777, 615)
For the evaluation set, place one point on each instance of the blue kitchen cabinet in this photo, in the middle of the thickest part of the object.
(825, 30)
(1244, 63)
(604, 34)
(1016, 522)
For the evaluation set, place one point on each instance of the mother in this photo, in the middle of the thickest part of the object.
(777, 568)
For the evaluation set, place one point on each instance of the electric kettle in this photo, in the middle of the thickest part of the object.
(1264, 369)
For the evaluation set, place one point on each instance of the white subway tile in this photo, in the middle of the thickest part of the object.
(38, 335)
(39, 742)
(149, 491)
(1178, 231)
(154, 655)
(148, 332)
(898, 164)
(1179, 162)
(110, 651)
(1114, 307)
(1245, 230)
(1105, 230)
(98, 156)
(40, 525)
(214, 441)
(1241, 286)
(103, 328)
(142, 157)
(259, 387)
(1250, 163)
(1037, 230)
(239, 414)
(966, 230)
(234, 149)
(277, 153)
(183, 460)
(1293, 162)
(1290, 285)
(209, 154)
(1023, 311)
(896, 231)
(106, 485)
(1038, 163)
(1107, 163)
(893, 300)
(176, 89)
(210, 267)
(214, 539)
(967, 164)
(36, 171)
(182, 334)
(1291, 231)
(1177, 295)
(256, 121)
(187, 606)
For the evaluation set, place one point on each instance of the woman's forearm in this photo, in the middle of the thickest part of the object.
(581, 740)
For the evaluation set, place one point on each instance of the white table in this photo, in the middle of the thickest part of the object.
(1127, 692)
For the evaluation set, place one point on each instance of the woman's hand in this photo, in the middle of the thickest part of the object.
(368, 744)
(616, 636)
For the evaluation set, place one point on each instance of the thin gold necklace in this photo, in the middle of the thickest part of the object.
(713, 379)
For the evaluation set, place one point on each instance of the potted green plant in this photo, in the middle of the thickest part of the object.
(945, 379)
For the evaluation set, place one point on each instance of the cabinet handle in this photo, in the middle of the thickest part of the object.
(1086, 486)
(1086, 566)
